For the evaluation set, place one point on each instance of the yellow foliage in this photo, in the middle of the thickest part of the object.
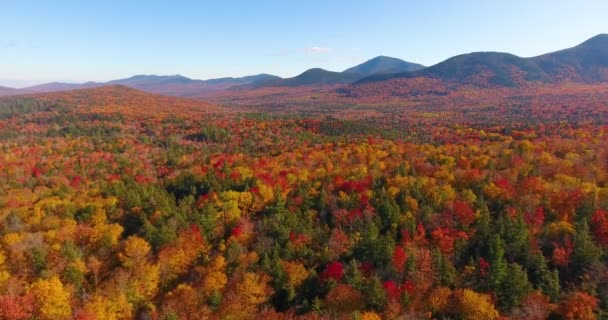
(559, 228)
(13, 238)
(53, 301)
(215, 279)
(370, 316)
(102, 308)
(144, 283)
(439, 298)
(474, 306)
(265, 192)
(296, 273)
(135, 252)
(254, 289)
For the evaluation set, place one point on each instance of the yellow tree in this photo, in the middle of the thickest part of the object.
(474, 306)
(53, 301)
(254, 289)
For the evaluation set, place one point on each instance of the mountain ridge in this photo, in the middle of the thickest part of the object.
(586, 62)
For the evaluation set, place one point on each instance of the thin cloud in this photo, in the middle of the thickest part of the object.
(10, 44)
(317, 50)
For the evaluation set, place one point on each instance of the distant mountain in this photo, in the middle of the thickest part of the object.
(494, 68)
(181, 86)
(151, 80)
(57, 86)
(6, 91)
(383, 65)
(478, 68)
(175, 85)
(587, 62)
(309, 77)
(318, 76)
(244, 80)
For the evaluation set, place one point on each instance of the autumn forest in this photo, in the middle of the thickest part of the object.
(414, 197)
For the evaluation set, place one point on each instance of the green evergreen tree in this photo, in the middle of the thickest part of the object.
(545, 280)
(498, 263)
(444, 271)
(375, 294)
(585, 252)
(514, 288)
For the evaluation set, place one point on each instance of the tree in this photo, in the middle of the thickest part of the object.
(214, 277)
(443, 269)
(399, 259)
(439, 299)
(52, 299)
(343, 299)
(333, 271)
(375, 295)
(544, 279)
(498, 263)
(370, 316)
(135, 252)
(579, 306)
(534, 307)
(474, 306)
(585, 252)
(16, 307)
(254, 289)
(514, 288)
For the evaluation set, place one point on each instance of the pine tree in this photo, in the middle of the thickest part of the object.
(514, 288)
(444, 271)
(498, 264)
(375, 294)
(585, 252)
(544, 279)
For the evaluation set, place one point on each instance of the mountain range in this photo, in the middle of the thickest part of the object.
(586, 63)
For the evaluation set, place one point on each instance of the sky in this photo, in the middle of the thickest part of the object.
(86, 40)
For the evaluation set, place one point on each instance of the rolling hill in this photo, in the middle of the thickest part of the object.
(6, 91)
(321, 77)
(315, 76)
(121, 98)
(175, 85)
(383, 65)
(587, 63)
(181, 86)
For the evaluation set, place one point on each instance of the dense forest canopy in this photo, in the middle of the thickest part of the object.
(115, 204)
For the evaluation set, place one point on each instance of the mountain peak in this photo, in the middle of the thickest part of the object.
(600, 39)
(383, 65)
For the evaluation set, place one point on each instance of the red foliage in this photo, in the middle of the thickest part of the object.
(484, 265)
(535, 220)
(392, 290)
(16, 307)
(408, 287)
(464, 213)
(445, 238)
(561, 253)
(599, 226)
(333, 271)
(237, 231)
(399, 258)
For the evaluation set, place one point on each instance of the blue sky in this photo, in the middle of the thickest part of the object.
(102, 40)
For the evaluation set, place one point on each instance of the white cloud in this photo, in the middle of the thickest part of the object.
(317, 50)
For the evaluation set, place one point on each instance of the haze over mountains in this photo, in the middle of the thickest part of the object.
(174, 85)
(586, 63)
